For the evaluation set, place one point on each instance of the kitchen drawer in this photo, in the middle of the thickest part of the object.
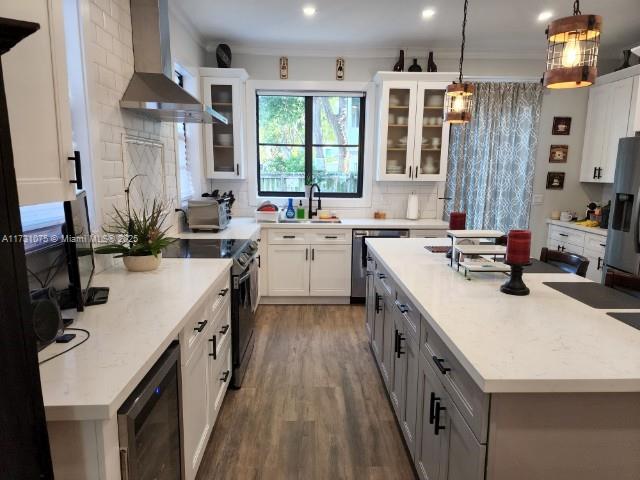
(219, 332)
(428, 233)
(280, 237)
(384, 282)
(341, 236)
(220, 380)
(567, 235)
(222, 292)
(472, 402)
(564, 247)
(595, 244)
(410, 314)
(195, 329)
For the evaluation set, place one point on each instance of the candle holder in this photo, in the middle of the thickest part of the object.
(515, 285)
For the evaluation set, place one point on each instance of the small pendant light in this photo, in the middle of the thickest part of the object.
(572, 50)
(459, 97)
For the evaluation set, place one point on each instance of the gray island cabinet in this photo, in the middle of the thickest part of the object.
(456, 427)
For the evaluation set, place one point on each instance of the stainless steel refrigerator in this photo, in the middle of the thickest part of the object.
(623, 239)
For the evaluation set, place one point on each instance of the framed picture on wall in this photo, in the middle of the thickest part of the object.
(558, 153)
(555, 180)
(561, 126)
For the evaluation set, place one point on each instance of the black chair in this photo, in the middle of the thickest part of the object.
(622, 281)
(569, 262)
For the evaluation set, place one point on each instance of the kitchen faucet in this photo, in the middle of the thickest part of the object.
(311, 212)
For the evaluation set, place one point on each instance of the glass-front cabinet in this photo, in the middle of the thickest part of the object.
(224, 91)
(413, 140)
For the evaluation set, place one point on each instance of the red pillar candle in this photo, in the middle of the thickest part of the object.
(518, 247)
(457, 221)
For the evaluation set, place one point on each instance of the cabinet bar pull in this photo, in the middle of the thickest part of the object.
(215, 347)
(378, 298)
(225, 376)
(595, 171)
(238, 169)
(599, 263)
(395, 342)
(400, 339)
(410, 172)
(436, 426)
(438, 362)
(78, 166)
(224, 329)
(603, 245)
(563, 234)
(432, 404)
(288, 236)
(201, 326)
(313, 254)
(223, 292)
(306, 254)
(331, 237)
(381, 275)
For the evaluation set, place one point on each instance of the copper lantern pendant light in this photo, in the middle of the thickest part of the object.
(459, 97)
(572, 50)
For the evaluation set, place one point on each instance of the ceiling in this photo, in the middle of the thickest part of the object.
(508, 28)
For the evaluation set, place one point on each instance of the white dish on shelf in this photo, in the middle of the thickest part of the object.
(224, 139)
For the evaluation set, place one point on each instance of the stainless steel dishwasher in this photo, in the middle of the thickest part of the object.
(359, 258)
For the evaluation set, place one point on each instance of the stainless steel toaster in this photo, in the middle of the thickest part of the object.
(207, 214)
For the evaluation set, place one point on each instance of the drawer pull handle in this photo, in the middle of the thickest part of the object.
(225, 376)
(432, 404)
(603, 245)
(331, 237)
(599, 267)
(223, 292)
(438, 362)
(288, 237)
(402, 307)
(400, 339)
(381, 276)
(201, 326)
(563, 234)
(215, 347)
(436, 426)
(224, 330)
(378, 298)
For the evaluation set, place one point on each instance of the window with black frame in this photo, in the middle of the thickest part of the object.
(310, 138)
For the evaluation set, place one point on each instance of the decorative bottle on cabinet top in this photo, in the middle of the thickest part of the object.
(431, 65)
(415, 67)
(399, 66)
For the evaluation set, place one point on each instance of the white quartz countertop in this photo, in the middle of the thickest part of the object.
(145, 312)
(350, 223)
(240, 228)
(594, 230)
(543, 342)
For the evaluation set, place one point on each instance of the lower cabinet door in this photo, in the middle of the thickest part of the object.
(409, 409)
(378, 323)
(399, 360)
(370, 312)
(195, 408)
(288, 270)
(462, 456)
(219, 378)
(330, 271)
(388, 339)
(429, 446)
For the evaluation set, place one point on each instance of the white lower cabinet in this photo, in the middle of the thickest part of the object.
(330, 273)
(309, 264)
(206, 372)
(288, 270)
(195, 407)
(590, 245)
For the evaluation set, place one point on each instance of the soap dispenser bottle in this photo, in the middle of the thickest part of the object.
(290, 213)
(300, 213)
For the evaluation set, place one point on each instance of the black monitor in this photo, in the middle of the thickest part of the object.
(80, 261)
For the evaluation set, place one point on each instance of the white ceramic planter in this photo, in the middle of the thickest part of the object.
(144, 263)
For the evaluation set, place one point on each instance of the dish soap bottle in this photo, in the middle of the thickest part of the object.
(300, 211)
(290, 213)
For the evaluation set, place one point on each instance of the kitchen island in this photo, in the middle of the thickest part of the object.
(487, 385)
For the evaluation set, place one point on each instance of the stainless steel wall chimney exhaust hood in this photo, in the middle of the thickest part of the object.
(151, 91)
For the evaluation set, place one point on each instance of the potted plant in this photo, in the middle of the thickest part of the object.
(138, 237)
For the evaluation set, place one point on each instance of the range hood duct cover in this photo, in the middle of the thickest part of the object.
(151, 91)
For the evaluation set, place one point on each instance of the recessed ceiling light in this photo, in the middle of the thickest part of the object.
(309, 10)
(544, 16)
(428, 13)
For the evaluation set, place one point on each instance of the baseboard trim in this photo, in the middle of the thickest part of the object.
(305, 300)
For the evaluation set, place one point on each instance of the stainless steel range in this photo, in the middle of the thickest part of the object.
(244, 297)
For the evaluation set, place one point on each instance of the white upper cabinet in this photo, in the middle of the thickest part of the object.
(610, 115)
(35, 78)
(412, 138)
(224, 90)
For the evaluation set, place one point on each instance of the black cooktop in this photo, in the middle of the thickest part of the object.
(204, 248)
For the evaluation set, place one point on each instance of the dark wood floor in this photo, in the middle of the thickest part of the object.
(312, 405)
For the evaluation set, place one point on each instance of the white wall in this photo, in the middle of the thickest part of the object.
(108, 59)
(576, 195)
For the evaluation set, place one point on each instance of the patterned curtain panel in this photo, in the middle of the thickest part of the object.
(492, 159)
